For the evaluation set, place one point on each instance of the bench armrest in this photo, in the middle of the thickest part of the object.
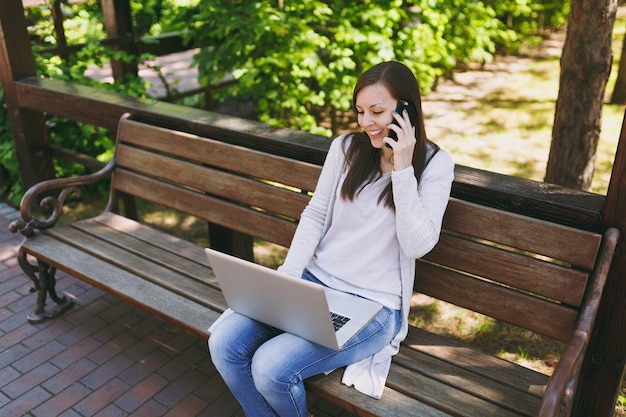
(30, 223)
(561, 388)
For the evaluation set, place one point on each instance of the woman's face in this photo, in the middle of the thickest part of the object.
(374, 106)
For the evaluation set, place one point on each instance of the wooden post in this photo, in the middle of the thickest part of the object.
(28, 127)
(603, 367)
(118, 24)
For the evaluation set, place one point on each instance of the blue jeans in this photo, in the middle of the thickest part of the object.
(265, 367)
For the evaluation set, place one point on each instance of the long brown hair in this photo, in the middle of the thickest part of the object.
(362, 159)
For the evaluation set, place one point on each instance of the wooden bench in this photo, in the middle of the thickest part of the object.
(535, 274)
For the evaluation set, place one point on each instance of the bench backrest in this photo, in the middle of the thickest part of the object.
(252, 192)
(524, 271)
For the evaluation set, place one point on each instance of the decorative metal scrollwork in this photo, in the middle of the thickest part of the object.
(30, 223)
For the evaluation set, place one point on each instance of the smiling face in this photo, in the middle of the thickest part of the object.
(374, 106)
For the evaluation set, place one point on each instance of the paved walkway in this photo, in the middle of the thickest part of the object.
(103, 357)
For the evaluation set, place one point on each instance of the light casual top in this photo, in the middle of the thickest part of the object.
(418, 217)
(360, 252)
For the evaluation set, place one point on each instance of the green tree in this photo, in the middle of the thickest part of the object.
(297, 61)
(585, 68)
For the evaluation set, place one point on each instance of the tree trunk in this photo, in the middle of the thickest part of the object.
(619, 91)
(585, 68)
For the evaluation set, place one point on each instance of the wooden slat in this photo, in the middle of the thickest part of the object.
(142, 267)
(154, 237)
(472, 360)
(555, 241)
(234, 158)
(526, 273)
(158, 301)
(239, 218)
(188, 268)
(532, 313)
(551, 202)
(216, 182)
(392, 403)
(442, 397)
(435, 371)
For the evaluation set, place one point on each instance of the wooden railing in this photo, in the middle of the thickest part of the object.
(103, 109)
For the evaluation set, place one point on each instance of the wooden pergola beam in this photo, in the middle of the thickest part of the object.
(603, 368)
(27, 126)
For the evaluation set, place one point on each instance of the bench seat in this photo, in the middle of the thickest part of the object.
(172, 279)
(538, 275)
(167, 276)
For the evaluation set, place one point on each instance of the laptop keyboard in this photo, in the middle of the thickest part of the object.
(338, 320)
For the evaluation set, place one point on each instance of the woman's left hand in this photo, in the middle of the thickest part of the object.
(404, 147)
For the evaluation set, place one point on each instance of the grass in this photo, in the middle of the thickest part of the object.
(508, 129)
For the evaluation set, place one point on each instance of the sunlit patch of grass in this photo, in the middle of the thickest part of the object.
(269, 254)
(497, 338)
(509, 129)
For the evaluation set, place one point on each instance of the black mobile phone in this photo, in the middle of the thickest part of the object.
(409, 107)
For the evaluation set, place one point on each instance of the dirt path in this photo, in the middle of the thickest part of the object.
(462, 94)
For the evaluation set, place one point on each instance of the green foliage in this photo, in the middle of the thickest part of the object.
(298, 61)
(83, 24)
(11, 184)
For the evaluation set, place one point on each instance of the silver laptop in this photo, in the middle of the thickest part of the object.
(309, 310)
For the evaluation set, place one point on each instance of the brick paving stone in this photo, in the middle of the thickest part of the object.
(180, 341)
(101, 397)
(226, 406)
(116, 311)
(22, 307)
(29, 380)
(4, 313)
(8, 374)
(12, 270)
(88, 295)
(112, 348)
(189, 406)
(16, 331)
(22, 405)
(48, 332)
(106, 372)
(62, 401)
(149, 326)
(8, 298)
(111, 410)
(211, 389)
(38, 356)
(144, 346)
(144, 367)
(171, 395)
(11, 354)
(141, 392)
(180, 363)
(69, 413)
(76, 350)
(79, 314)
(69, 376)
(150, 409)
(4, 400)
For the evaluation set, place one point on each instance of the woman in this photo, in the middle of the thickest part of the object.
(378, 206)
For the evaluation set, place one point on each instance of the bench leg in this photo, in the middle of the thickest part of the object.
(44, 282)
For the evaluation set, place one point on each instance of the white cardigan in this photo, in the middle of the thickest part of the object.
(419, 214)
